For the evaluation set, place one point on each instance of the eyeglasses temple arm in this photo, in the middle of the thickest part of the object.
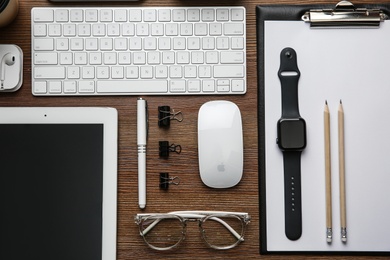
(146, 231)
(228, 227)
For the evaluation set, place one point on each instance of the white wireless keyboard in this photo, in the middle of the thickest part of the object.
(134, 51)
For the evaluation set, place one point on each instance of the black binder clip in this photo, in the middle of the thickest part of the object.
(166, 114)
(165, 148)
(345, 15)
(165, 180)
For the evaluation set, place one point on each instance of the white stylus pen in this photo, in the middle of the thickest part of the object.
(142, 132)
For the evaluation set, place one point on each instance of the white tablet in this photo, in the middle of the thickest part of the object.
(58, 183)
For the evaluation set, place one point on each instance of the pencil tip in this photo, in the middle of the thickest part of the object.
(340, 101)
(326, 102)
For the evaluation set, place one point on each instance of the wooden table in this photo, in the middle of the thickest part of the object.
(191, 193)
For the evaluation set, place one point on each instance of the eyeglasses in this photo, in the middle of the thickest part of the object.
(220, 230)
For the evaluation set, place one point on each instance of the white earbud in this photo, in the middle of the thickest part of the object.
(9, 60)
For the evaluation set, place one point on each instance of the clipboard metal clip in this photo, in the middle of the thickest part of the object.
(345, 15)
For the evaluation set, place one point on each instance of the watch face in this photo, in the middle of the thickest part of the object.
(292, 134)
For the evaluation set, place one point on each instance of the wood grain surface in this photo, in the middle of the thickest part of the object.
(191, 194)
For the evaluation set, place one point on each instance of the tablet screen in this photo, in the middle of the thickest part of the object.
(51, 186)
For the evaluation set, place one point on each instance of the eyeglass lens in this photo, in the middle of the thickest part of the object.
(216, 234)
(167, 233)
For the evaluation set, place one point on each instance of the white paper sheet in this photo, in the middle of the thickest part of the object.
(352, 65)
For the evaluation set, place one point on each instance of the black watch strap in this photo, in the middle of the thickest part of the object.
(292, 194)
(289, 76)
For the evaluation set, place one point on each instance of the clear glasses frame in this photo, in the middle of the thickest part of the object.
(152, 219)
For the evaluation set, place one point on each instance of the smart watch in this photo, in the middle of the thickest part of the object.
(291, 139)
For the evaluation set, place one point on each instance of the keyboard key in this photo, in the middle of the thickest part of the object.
(120, 15)
(194, 86)
(238, 85)
(98, 29)
(171, 29)
(146, 72)
(228, 57)
(91, 44)
(190, 72)
(47, 58)
(117, 72)
(223, 43)
(150, 15)
(43, 44)
(237, 43)
(40, 87)
(84, 30)
(132, 72)
(186, 29)
(73, 72)
(222, 14)
(128, 29)
(208, 15)
(43, 15)
(77, 44)
(157, 29)
(175, 72)
(233, 29)
(87, 86)
(106, 15)
(62, 15)
(91, 15)
(88, 72)
(142, 29)
(136, 86)
(212, 57)
(124, 58)
(76, 15)
(164, 15)
(179, 15)
(69, 30)
(66, 58)
(200, 29)
(135, 15)
(215, 29)
(49, 72)
(179, 43)
(193, 15)
(113, 29)
(54, 30)
(40, 30)
(161, 72)
(70, 87)
(227, 71)
(55, 87)
(103, 72)
(177, 86)
(223, 88)
(237, 14)
(208, 85)
(204, 71)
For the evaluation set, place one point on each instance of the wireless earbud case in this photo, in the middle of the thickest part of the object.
(11, 74)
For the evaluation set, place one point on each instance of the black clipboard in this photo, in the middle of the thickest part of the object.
(292, 13)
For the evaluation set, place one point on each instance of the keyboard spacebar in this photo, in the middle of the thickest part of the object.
(132, 86)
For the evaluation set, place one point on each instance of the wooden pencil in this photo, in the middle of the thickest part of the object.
(343, 220)
(328, 187)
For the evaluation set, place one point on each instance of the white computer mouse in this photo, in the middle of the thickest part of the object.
(220, 144)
